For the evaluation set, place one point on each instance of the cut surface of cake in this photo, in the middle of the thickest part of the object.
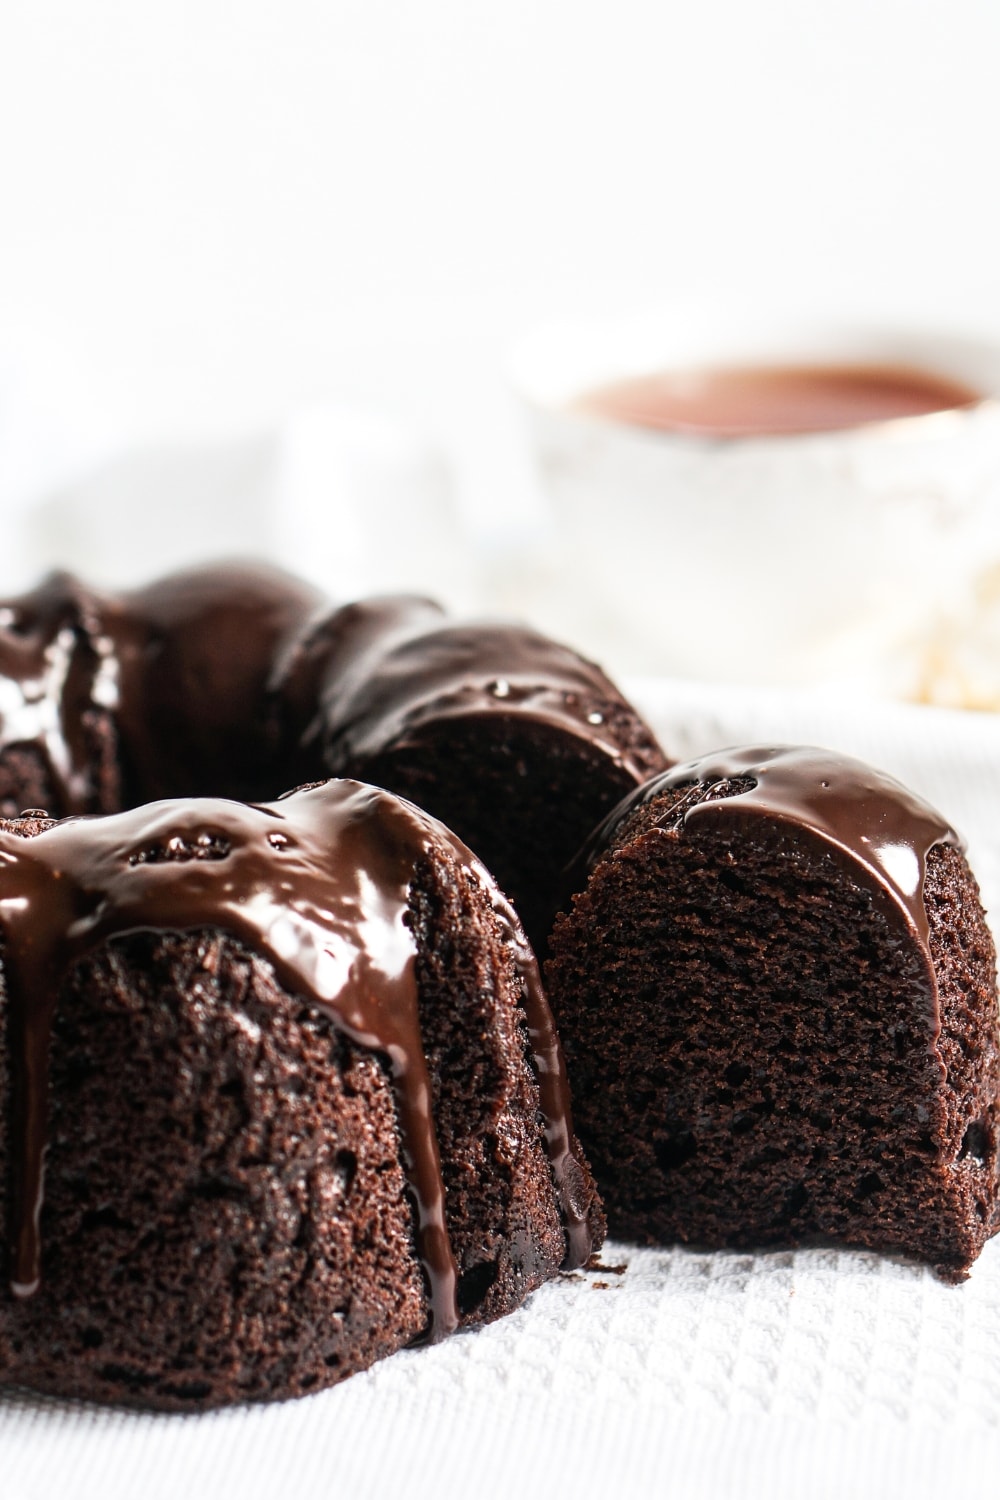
(776, 991)
(513, 740)
(296, 1090)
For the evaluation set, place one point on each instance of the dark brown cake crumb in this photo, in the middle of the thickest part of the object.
(763, 1054)
(231, 1222)
(492, 779)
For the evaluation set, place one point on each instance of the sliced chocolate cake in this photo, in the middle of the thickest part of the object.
(776, 992)
(295, 1088)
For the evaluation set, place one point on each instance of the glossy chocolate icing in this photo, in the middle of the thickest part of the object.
(227, 679)
(194, 653)
(318, 883)
(879, 828)
(57, 664)
(180, 665)
(396, 668)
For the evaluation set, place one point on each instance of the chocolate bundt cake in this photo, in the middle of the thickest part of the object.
(776, 993)
(237, 682)
(517, 743)
(288, 1065)
(296, 1090)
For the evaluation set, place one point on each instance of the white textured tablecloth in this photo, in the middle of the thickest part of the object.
(807, 1374)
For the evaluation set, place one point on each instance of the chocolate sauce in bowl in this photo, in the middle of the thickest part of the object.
(731, 401)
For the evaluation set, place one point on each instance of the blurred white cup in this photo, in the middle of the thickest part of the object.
(832, 556)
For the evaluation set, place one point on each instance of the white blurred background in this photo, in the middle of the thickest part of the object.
(259, 258)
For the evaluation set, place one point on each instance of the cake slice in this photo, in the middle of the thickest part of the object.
(295, 1088)
(514, 741)
(776, 992)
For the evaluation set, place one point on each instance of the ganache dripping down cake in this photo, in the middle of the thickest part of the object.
(776, 991)
(296, 1090)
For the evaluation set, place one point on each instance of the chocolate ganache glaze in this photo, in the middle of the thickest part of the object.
(318, 883)
(58, 674)
(340, 646)
(397, 665)
(174, 674)
(194, 652)
(861, 814)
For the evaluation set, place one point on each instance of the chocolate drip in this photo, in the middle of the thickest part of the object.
(56, 665)
(855, 811)
(550, 1070)
(395, 668)
(318, 883)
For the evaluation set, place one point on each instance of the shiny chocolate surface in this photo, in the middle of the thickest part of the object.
(881, 828)
(318, 883)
